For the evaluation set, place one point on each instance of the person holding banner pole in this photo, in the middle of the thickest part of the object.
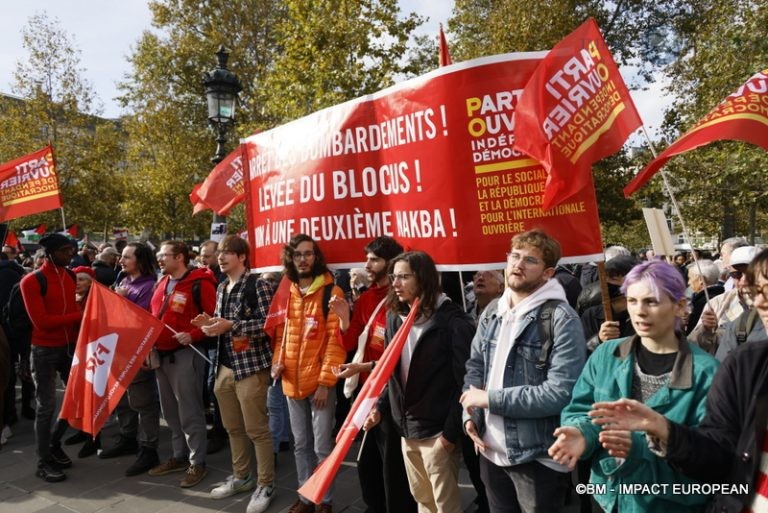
(380, 467)
(423, 391)
(179, 297)
(305, 359)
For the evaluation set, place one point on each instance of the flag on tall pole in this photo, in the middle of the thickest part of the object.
(33, 234)
(315, 487)
(741, 116)
(445, 54)
(28, 185)
(70, 231)
(574, 111)
(115, 337)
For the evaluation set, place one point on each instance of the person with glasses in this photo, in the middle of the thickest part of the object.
(720, 310)
(423, 392)
(528, 351)
(307, 349)
(728, 448)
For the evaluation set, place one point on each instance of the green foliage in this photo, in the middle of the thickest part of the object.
(57, 105)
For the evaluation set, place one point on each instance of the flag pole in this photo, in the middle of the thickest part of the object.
(63, 220)
(672, 198)
(192, 346)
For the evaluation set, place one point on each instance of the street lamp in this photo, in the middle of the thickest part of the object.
(221, 88)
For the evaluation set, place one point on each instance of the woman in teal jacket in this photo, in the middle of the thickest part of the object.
(658, 367)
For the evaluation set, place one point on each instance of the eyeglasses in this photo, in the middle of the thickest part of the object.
(736, 274)
(400, 277)
(754, 290)
(305, 255)
(514, 257)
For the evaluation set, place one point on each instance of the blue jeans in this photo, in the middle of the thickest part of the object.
(46, 363)
(312, 435)
(526, 488)
(279, 423)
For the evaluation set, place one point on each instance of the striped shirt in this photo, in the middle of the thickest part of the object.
(248, 317)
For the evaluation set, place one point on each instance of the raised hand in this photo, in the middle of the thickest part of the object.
(568, 447)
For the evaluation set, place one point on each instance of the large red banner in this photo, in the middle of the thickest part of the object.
(29, 185)
(575, 110)
(428, 161)
(742, 116)
(115, 338)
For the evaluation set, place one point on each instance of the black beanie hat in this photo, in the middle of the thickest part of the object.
(54, 241)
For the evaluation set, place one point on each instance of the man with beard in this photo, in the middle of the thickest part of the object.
(307, 348)
(180, 296)
(380, 468)
(528, 351)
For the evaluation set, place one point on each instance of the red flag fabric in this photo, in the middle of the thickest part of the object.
(12, 240)
(741, 117)
(29, 185)
(574, 111)
(278, 308)
(197, 204)
(315, 487)
(70, 230)
(445, 54)
(224, 187)
(115, 338)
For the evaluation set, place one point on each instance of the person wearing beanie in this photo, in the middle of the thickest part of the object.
(49, 297)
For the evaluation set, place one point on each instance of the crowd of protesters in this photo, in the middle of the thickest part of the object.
(526, 374)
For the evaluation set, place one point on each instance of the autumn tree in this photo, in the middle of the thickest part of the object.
(56, 104)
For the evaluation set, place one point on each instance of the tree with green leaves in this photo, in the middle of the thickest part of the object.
(56, 104)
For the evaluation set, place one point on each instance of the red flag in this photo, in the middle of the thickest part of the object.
(741, 117)
(315, 487)
(115, 337)
(12, 240)
(278, 308)
(29, 185)
(224, 187)
(445, 54)
(574, 111)
(197, 204)
(70, 230)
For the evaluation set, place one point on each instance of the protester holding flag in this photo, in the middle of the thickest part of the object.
(138, 412)
(423, 391)
(308, 347)
(657, 367)
(179, 297)
(55, 316)
(243, 372)
(380, 467)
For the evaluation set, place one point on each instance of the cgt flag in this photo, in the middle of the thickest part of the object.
(223, 188)
(574, 111)
(741, 116)
(28, 185)
(315, 487)
(115, 338)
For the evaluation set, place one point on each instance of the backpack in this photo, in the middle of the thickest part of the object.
(15, 316)
(546, 326)
(745, 323)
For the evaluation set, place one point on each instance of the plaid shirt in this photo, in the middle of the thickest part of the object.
(233, 307)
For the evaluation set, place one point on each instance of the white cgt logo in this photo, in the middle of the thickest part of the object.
(99, 355)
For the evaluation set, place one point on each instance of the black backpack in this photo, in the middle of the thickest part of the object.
(746, 321)
(15, 317)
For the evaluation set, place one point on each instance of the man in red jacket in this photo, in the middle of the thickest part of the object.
(179, 297)
(50, 302)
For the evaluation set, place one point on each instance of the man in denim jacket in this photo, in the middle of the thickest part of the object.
(517, 383)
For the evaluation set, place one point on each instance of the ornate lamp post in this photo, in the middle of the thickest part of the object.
(221, 88)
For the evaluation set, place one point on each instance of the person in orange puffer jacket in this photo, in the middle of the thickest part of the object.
(308, 347)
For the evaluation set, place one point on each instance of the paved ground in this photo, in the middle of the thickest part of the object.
(97, 485)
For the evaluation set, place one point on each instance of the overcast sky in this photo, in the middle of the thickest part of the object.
(105, 31)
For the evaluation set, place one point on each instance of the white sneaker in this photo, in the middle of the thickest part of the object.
(232, 486)
(260, 499)
(5, 435)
